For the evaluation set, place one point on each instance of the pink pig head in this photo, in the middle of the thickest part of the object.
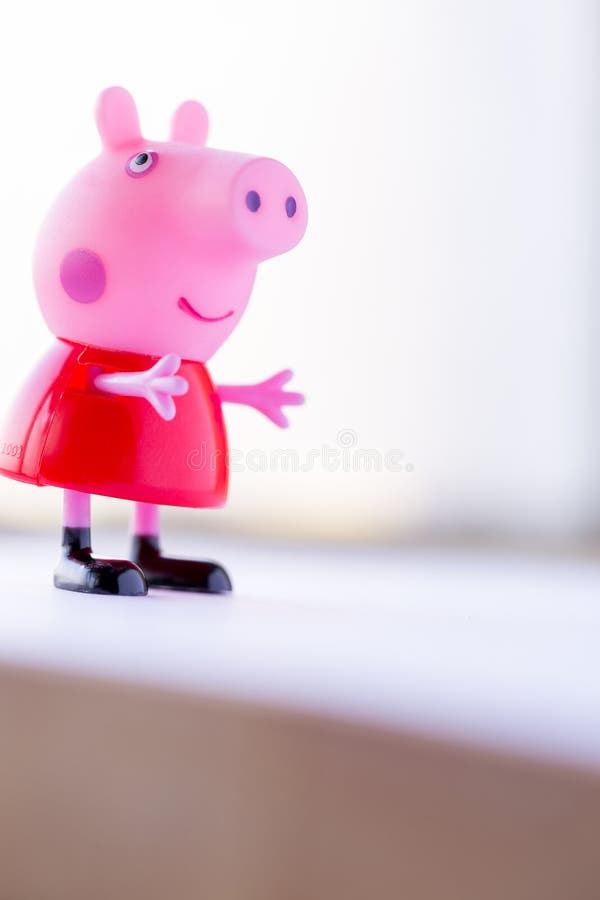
(153, 247)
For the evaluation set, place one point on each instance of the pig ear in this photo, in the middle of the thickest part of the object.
(190, 124)
(117, 118)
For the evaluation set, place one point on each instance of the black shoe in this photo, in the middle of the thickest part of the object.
(78, 570)
(202, 576)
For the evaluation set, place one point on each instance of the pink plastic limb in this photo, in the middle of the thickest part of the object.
(267, 397)
(76, 509)
(157, 385)
(146, 519)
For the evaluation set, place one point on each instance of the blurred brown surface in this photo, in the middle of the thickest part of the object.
(111, 790)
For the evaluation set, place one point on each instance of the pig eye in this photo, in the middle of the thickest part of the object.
(141, 163)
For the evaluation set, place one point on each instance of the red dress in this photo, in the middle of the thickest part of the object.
(64, 432)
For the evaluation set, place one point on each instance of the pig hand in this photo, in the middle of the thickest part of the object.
(267, 397)
(157, 385)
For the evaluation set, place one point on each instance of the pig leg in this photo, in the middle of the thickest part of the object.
(161, 571)
(78, 570)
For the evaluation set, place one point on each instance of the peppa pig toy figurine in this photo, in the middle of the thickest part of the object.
(142, 269)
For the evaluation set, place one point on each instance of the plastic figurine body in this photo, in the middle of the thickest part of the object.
(143, 268)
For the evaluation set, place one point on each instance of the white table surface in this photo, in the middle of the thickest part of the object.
(489, 648)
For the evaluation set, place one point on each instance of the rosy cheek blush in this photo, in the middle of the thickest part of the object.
(83, 276)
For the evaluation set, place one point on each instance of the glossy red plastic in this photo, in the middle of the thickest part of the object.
(62, 431)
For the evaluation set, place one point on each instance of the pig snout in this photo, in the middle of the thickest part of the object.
(269, 207)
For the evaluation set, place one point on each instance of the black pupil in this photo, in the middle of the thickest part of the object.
(141, 159)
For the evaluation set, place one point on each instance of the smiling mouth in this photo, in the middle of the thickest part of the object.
(187, 307)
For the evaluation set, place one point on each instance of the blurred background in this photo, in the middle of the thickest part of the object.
(441, 312)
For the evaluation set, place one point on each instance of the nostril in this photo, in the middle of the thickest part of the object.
(252, 200)
(290, 207)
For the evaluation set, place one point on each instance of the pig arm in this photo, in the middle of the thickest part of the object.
(267, 397)
(157, 385)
